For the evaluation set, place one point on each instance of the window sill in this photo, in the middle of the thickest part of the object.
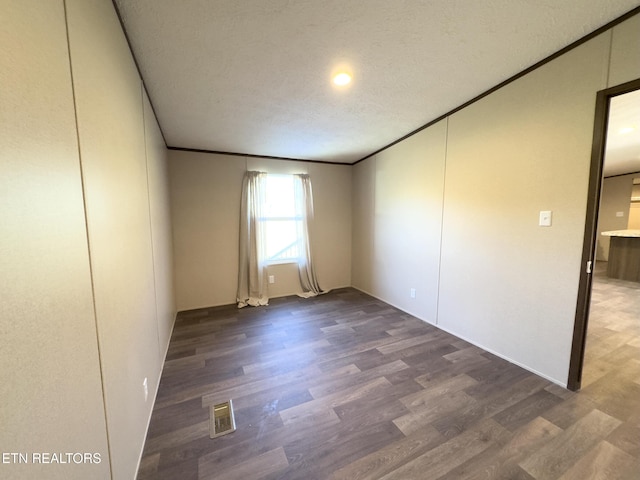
(281, 262)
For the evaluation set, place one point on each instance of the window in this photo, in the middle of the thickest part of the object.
(275, 216)
(281, 221)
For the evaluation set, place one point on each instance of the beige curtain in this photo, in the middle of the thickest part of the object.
(304, 210)
(252, 284)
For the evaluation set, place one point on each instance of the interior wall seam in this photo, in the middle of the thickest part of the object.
(86, 226)
(444, 186)
(146, 164)
(153, 264)
(609, 59)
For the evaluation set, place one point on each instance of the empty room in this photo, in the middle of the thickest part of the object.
(347, 240)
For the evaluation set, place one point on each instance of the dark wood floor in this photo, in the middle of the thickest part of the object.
(346, 387)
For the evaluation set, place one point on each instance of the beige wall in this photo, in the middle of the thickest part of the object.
(625, 51)
(504, 283)
(398, 226)
(615, 199)
(363, 213)
(507, 283)
(634, 209)
(204, 207)
(205, 203)
(88, 306)
(50, 391)
(634, 216)
(161, 234)
(123, 170)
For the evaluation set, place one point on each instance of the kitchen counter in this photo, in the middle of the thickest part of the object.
(622, 233)
(624, 254)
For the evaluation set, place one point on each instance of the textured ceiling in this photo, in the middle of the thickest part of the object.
(623, 135)
(253, 76)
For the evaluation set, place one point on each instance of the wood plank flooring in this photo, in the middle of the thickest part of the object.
(344, 386)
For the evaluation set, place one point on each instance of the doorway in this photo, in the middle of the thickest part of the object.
(598, 155)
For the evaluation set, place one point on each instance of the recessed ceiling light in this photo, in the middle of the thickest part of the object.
(625, 130)
(342, 78)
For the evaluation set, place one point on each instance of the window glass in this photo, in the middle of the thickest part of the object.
(281, 223)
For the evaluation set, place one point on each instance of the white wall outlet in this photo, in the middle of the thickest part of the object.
(272, 279)
(145, 387)
(619, 214)
(412, 293)
(545, 218)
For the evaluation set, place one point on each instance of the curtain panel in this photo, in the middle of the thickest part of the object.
(252, 281)
(304, 210)
(252, 273)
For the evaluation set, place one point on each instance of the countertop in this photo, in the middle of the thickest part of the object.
(622, 233)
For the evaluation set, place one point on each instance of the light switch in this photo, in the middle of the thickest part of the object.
(619, 214)
(545, 218)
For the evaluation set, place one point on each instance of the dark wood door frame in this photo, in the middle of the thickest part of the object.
(590, 232)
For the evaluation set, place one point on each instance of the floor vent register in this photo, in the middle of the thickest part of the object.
(221, 419)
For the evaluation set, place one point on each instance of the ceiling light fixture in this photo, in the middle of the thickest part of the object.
(625, 130)
(342, 79)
